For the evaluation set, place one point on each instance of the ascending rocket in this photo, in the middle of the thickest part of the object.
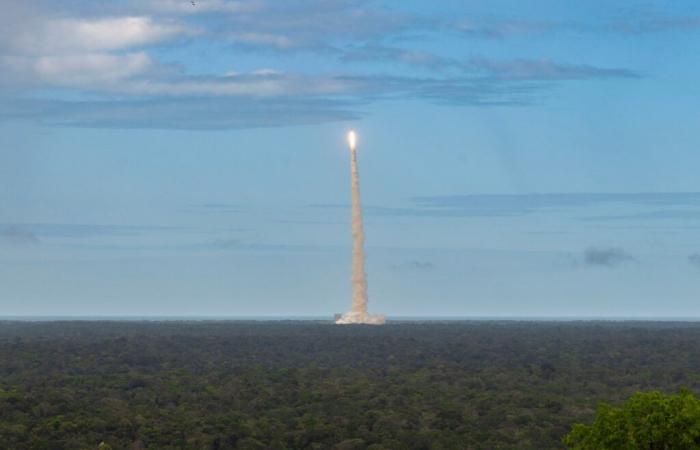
(358, 310)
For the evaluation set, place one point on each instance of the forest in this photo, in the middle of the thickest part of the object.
(315, 385)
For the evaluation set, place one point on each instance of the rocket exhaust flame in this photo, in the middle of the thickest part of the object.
(358, 312)
(352, 140)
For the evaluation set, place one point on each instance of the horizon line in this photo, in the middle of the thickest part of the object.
(301, 317)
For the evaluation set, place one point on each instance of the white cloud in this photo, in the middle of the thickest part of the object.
(54, 36)
(267, 72)
(79, 69)
(81, 53)
(89, 70)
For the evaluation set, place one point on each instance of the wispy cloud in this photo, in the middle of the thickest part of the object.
(505, 205)
(605, 256)
(518, 69)
(378, 52)
(518, 204)
(543, 69)
(493, 29)
(187, 113)
(646, 20)
(694, 259)
(34, 231)
(15, 234)
(620, 21)
(676, 214)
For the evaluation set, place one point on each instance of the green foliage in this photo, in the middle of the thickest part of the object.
(312, 385)
(351, 444)
(647, 421)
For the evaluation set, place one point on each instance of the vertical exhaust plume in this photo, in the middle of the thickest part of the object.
(358, 312)
(359, 277)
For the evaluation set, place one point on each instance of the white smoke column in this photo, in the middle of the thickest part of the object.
(359, 277)
(358, 312)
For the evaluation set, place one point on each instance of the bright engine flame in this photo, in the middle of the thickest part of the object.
(352, 139)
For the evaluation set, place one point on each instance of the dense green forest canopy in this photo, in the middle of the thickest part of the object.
(314, 385)
(646, 421)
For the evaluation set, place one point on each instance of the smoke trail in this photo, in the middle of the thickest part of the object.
(358, 312)
(359, 277)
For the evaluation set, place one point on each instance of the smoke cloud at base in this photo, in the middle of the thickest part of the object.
(352, 317)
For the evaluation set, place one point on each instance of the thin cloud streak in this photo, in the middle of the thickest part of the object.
(34, 231)
(192, 113)
(16, 234)
(506, 205)
(605, 257)
(518, 69)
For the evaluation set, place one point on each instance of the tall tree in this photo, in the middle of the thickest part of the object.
(646, 421)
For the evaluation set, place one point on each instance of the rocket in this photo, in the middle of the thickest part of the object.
(358, 311)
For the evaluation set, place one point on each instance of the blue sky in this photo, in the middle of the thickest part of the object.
(517, 158)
